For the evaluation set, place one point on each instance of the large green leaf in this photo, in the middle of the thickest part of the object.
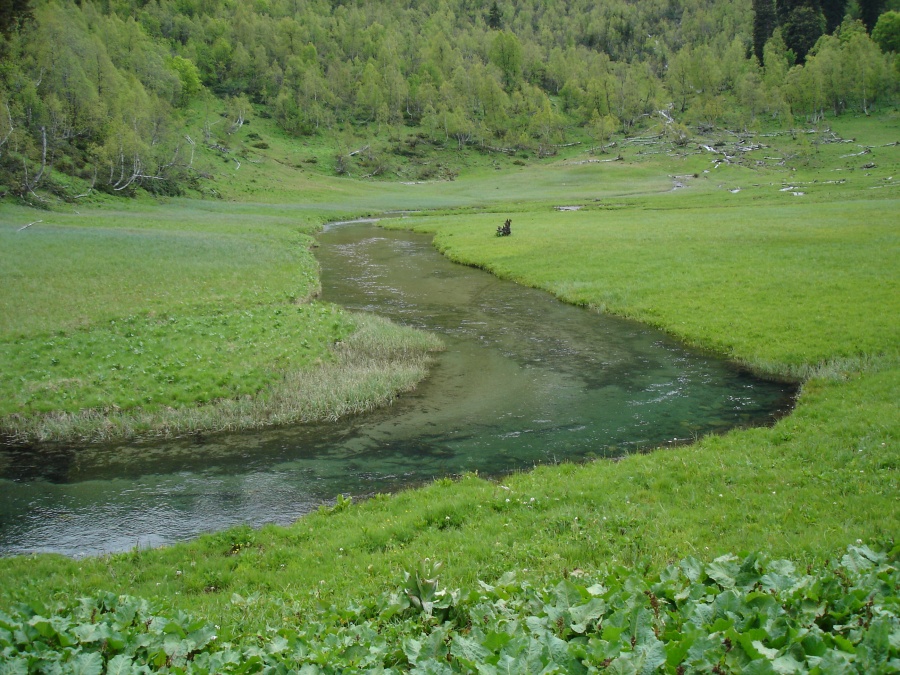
(86, 664)
(723, 571)
(14, 666)
(120, 665)
(581, 615)
(467, 649)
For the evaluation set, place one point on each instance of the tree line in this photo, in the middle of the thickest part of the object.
(97, 89)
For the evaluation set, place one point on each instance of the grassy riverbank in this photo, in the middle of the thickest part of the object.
(157, 320)
(794, 285)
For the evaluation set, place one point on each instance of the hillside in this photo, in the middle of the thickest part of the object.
(133, 95)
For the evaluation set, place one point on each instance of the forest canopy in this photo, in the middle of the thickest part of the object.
(98, 91)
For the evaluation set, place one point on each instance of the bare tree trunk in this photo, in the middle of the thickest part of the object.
(32, 184)
(11, 127)
(192, 144)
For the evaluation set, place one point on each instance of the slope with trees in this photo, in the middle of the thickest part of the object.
(94, 94)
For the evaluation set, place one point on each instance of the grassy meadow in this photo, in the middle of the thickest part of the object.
(154, 319)
(784, 258)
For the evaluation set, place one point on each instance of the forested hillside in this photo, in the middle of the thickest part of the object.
(96, 95)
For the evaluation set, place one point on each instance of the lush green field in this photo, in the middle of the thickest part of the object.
(161, 319)
(795, 285)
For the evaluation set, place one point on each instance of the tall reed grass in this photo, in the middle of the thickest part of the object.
(370, 367)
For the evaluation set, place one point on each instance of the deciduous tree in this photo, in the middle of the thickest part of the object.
(887, 32)
(506, 54)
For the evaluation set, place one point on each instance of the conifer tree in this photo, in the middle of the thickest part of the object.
(494, 17)
(13, 13)
(802, 23)
(869, 11)
(764, 22)
(834, 11)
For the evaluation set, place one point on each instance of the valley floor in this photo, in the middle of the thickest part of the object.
(791, 270)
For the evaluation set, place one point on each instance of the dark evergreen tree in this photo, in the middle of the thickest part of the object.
(764, 22)
(802, 24)
(834, 11)
(869, 11)
(784, 8)
(13, 13)
(494, 17)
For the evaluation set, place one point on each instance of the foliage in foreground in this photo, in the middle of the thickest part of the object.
(749, 615)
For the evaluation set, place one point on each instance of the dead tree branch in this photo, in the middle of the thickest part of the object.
(90, 189)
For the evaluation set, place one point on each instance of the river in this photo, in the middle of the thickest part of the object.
(525, 380)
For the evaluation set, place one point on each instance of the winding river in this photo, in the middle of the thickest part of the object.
(525, 380)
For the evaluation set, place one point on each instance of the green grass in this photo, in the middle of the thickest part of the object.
(298, 365)
(153, 362)
(801, 286)
(166, 318)
(77, 269)
(793, 286)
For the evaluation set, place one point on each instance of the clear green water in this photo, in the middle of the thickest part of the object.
(525, 380)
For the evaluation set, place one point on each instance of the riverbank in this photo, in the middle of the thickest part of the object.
(170, 320)
(371, 362)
